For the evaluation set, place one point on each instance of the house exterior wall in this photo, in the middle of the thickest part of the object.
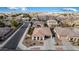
(59, 38)
(74, 39)
(40, 37)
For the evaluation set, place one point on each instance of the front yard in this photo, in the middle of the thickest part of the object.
(28, 42)
(30, 31)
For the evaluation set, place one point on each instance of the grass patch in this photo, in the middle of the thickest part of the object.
(31, 31)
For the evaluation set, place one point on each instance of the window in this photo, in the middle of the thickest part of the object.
(34, 38)
(71, 39)
(41, 38)
(37, 38)
(74, 39)
(78, 40)
(38, 26)
(47, 36)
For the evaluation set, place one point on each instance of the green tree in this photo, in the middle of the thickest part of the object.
(1, 17)
(27, 15)
(14, 23)
(2, 24)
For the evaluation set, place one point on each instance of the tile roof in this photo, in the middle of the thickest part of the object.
(71, 32)
(42, 31)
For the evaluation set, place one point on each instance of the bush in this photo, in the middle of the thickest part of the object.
(45, 25)
(2, 24)
(30, 31)
(14, 23)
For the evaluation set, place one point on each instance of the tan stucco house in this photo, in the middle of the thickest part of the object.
(52, 23)
(66, 34)
(41, 33)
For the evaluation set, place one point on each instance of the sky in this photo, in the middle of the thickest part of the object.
(38, 9)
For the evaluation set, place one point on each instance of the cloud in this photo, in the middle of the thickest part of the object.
(23, 9)
(70, 9)
(18, 8)
(13, 8)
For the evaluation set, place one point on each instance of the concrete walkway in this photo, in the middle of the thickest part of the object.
(49, 44)
(67, 45)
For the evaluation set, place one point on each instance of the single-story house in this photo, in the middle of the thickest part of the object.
(38, 24)
(66, 34)
(41, 33)
(52, 23)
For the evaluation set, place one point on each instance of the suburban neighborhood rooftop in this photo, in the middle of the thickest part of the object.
(67, 31)
(42, 31)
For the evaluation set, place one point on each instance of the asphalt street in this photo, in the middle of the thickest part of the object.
(13, 42)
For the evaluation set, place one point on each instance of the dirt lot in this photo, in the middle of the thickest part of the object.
(28, 42)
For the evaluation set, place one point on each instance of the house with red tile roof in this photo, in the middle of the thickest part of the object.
(66, 33)
(41, 33)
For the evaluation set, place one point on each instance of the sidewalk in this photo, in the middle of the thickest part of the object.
(67, 45)
(49, 44)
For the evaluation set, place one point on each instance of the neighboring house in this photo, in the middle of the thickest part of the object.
(52, 23)
(25, 19)
(34, 19)
(4, 31)
(66, 34)
(38, 24)
(41, 33)
(76, 22)
(7, 22)
(71, 22)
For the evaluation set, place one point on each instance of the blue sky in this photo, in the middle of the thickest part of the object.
(38, 9)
